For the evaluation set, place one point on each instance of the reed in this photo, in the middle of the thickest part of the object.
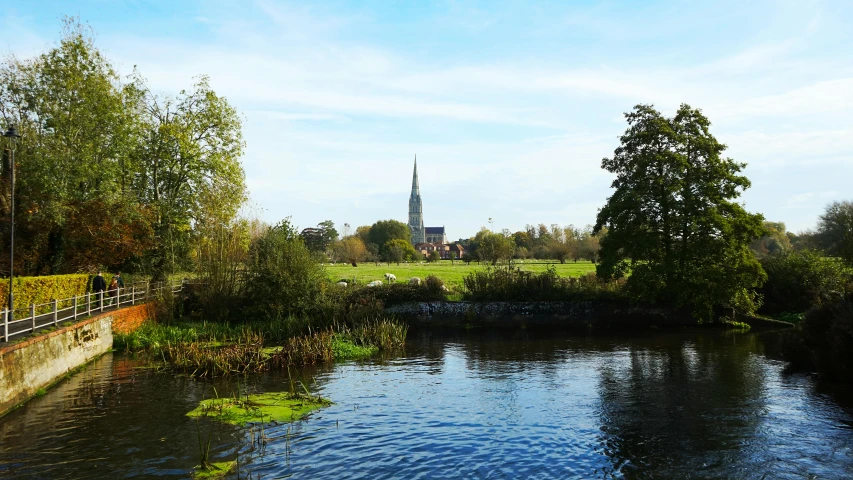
(212, 350)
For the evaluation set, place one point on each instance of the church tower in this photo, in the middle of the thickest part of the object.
(416, 212)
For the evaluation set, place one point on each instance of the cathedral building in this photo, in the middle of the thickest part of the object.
(421, 234)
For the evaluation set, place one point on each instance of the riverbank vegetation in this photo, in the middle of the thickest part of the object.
(206, 350)
(514, 284)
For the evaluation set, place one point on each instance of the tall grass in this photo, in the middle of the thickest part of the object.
(215, 349)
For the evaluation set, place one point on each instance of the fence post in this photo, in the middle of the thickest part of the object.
(133, 295)
(55, 311)
(118, 297)
(101, 293)
(5, 325)
(75, 308)
(33, 315)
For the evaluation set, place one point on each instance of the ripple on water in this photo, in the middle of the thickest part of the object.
(473, 405)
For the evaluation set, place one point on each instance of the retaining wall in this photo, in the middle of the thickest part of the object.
(566, 314)
(39, 362)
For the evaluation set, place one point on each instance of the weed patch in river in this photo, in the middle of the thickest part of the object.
(279, 407)
(215, 470)
(207, 350)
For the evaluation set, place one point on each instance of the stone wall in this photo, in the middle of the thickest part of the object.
(36, 363)
(567, 314)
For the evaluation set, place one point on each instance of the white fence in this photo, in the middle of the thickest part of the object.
(38, 316)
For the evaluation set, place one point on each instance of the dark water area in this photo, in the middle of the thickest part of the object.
(465, 404)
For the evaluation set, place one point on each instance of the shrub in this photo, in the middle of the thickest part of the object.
(513, 284)
(824, 341)
(799, 280)
(29, 290)
(282, 279)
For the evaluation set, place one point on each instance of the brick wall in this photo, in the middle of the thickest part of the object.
(129, 319)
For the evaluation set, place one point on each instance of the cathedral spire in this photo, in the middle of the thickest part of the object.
(416, 189)
(416, 218)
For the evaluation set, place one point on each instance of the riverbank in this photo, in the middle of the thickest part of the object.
(574, 314)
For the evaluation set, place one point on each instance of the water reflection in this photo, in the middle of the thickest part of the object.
(466, 404)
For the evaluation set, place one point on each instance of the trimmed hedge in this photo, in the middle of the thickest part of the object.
(29, 290)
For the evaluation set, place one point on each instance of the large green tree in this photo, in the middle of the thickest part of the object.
(673, 221)
(384, 231)
(189, 157)
(79, 126)
(110, 174)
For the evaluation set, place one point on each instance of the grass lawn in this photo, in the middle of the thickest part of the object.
(452, 274)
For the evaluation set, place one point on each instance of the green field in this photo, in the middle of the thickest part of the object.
(452, 274)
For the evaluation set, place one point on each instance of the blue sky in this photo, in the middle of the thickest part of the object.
(510, 106)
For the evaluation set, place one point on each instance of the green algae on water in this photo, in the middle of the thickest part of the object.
(215, 469)
(260, 408)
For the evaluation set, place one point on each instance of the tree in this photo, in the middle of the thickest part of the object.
(493, 247)
(363, 232)
(81, 125)
(319, 239)
(328, 233)
(835, 230)
(453, 258)
(351, 250)
(397, 250)
(191, 154)
(434, 256)
(800, 280)
(672, 219)
(283, 280)
(774, 240)
(111, 174)
(559, 250)
(384, 231)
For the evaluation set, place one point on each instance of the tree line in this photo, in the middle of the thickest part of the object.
(108, 172)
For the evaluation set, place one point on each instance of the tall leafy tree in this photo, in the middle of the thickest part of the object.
(384, 231)
(190, 155)
(80, 125)
(673, 220)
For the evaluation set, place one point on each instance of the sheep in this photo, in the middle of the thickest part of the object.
(343, 284)
(375, 283)
(390, 277)
(414, 281)
(444, 289)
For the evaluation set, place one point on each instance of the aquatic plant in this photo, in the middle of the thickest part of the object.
(260, 408)
(210, 350)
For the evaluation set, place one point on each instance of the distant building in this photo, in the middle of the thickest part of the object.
(443, 249)
(436, 235)
(421, 235)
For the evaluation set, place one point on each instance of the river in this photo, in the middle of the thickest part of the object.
(464, 404)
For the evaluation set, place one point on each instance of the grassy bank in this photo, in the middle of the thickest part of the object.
(451, 273)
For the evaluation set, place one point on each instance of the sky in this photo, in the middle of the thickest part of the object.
(509, 106)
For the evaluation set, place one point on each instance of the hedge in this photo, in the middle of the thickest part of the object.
(29, 290)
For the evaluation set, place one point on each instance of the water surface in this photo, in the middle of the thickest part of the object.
(465, 404)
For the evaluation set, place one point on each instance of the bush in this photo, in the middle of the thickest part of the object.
(282, 280)
(366, 302)
(29, 290)
(799, 280)
(514, 284)
(824, 341)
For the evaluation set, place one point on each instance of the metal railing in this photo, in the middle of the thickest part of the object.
(43, 315)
